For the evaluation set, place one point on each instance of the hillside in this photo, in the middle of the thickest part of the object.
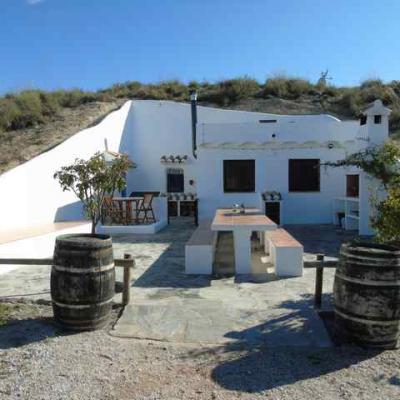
(20, 145)
(33, 121)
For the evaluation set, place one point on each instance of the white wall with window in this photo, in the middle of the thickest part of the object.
(307, 189)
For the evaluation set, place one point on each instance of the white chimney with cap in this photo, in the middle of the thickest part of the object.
(377, 123)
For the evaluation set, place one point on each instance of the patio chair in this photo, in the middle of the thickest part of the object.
(145, 209)
(111, 212)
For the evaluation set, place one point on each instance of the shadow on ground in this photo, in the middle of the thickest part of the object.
(168, 269)
(267, 356)
(261, 369)
(17, 333)
(321, 238)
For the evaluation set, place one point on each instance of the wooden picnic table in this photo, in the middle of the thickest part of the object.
(242, 225)
(126, 207)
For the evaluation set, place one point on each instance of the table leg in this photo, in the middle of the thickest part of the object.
(242, 247)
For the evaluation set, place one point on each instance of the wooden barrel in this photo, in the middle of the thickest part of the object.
(82, 281)
(367, 295)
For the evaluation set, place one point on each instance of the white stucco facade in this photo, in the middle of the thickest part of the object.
(147, 130)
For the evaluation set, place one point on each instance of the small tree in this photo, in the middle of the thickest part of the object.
(91, 180)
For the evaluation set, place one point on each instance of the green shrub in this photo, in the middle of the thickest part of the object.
(194, 85)
(373, 89)
(386, 220)
(30, 110)
(287, 88)
(229, 91)
(350, 102)
(275, 87)
(9, 112)
(50, 104)
(394, 122)
(74, 98)
(298, 87)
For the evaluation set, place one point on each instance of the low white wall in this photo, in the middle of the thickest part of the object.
(160, 208)
(30, 194)
(35, 247)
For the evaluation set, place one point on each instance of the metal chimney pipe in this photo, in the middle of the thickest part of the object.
(193, 106)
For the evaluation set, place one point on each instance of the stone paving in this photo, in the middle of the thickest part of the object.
(169, 305)
(166, 304)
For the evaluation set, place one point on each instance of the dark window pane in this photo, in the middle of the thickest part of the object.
(377, 119)
(239, 175)
(352, 185)
(304, 175)
(175, 183)
(363, 120)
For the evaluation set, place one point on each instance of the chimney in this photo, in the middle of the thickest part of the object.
(193, 106)
(376, 119)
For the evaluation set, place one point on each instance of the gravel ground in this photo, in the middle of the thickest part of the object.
(37, 361)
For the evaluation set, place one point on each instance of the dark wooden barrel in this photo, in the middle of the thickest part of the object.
(367, 295)
(82, 281)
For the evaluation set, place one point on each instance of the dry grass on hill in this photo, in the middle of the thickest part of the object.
(33, 121)
(19, 146)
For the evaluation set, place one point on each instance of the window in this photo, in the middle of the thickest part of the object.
(352, 185)
(239, 175)
(175, 180)
(363, 120)
(304, 175)
(377, 119)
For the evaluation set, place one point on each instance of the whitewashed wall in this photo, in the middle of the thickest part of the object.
(146, 130)
(29, 194)
(271, 174)
(159, 128)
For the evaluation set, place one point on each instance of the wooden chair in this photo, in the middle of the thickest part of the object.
(111, 212)
(146, 209)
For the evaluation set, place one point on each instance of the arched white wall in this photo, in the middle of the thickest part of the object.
(29, 195)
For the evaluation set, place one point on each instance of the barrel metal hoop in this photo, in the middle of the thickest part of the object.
(365, 321)
(82, 306)
(74, 270)
(367, 282)
(83, 321)
(369, 261)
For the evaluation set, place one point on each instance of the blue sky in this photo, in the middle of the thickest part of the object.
(91, 44)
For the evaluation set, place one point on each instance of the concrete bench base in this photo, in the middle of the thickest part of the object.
(200, 250)
(286, 253)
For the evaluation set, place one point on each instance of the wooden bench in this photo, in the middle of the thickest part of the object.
(200, 250)
(285, 251)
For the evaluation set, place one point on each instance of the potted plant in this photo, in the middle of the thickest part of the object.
(83, 275)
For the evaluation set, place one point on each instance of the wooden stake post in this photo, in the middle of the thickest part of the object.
(318, 281)
(126, 294)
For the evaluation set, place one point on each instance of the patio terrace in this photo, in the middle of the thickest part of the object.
(169, 305)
